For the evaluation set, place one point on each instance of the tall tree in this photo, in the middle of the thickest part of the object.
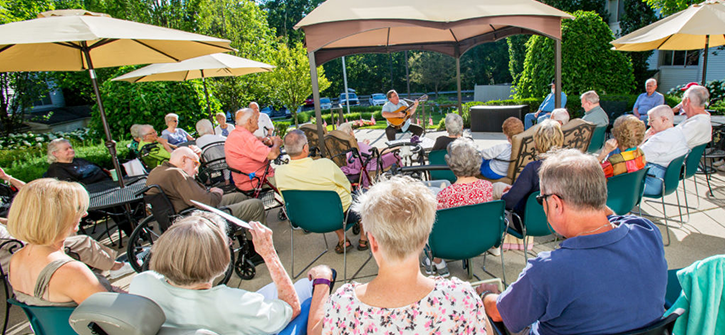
(637, 14)
(485, 64)
(597, 6)
(517, 55)
(282, 15)
(668, 7)
(432, 70)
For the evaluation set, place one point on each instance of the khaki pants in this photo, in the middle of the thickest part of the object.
(244, 208)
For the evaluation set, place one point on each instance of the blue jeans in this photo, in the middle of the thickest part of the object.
(487, 172)
(652, 185)
(530, 117)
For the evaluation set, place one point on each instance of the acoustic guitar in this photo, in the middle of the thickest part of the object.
(398, 122)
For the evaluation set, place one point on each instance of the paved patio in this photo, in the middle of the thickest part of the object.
(702, 236)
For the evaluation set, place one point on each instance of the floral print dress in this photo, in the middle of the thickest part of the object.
(465, 194)
(452, 307)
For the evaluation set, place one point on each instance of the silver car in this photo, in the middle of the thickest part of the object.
(378, 99)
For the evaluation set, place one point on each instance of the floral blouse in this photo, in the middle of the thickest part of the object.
(452, 307)
(465, 194)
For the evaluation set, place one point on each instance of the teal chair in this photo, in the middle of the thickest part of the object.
(624, 191)
(317, 212)
(597, 141)
(534, 223)
(438, 157)
(47, 320)
(692, 163)
(462, 233)
(670, 183)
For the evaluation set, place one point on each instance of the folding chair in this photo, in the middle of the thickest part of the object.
(597, 141)
(47, 320)
(462, 233)
(438, 157)
(534, 223)
(692, 163)
(213, 170)
(9, 246)
(670, 184)
(624, 191)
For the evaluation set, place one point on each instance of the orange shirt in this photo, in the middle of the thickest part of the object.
(247, 154)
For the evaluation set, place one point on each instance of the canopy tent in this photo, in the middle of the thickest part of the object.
(76, 40)
(346, 27)
(697, 27)
(216, 65)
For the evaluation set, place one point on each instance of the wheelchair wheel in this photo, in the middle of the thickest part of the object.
(245, 268)
(281, 215)
(139, 243)
(356, 228)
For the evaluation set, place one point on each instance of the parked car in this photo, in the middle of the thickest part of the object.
(325, 103)
(272, 112)
(378, 99)
(353, 99)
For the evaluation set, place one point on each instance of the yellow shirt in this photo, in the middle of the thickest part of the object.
(314, 175)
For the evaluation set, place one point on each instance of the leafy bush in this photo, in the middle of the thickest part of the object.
(281, 128)
(29, 141)
(715, 87)
(588, 63)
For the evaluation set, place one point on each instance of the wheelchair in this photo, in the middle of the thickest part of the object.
(263, 189)
(162, 216)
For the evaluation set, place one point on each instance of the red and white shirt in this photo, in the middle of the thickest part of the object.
(465, 194)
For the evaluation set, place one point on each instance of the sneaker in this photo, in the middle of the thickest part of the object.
(719, 163)
(443, 272)
(124, 270)
(720, 168)
(494, 251)
(427, 266)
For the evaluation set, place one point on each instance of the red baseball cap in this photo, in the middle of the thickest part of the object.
(689, 85)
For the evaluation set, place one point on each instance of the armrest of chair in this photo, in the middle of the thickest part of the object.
(298, 325)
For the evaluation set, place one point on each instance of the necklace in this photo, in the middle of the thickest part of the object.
(593, 230)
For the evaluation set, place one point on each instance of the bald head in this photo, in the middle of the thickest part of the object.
(178, 155)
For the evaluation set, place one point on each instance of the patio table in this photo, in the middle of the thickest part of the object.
(108, 194)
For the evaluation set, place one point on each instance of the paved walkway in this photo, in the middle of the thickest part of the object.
(702, 236)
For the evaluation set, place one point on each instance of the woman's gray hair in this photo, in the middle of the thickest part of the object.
(294, 142)
(204, 127)
(53, 146)
(454, 124)
(346, 127)
(463, 158)
(144, 130)
(170, 116)
(399, 213)
(587, 191)
(135, 131)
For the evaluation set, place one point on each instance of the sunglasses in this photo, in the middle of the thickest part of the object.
(541, 197)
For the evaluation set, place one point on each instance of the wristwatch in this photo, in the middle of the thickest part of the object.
(484, 294)
(321, 281)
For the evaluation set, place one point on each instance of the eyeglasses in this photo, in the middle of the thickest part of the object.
(541, 197)
(175, 121)
(196, 162)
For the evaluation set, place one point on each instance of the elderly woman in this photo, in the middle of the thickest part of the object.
(44, 213)
(621, 154)
(454, 127)
(172, 133)
(64, 165)
(223, 128)
(206, 134)
(193, 252)
(135, 139)
(354, 167)
(398, 216)
(495, 164)
(548, 137)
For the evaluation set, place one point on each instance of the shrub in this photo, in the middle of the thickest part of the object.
(281, 128)
(715, 87)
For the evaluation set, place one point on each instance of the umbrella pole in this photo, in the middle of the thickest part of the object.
(206, 94)
(704, 60)
(110, 143)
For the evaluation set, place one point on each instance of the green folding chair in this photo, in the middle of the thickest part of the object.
(597, 141)
(670, 183)
(317, 212)
(462, 233)
(534, 223)
(692, 163)
(624, 191)
(438, 157)
(47, 320)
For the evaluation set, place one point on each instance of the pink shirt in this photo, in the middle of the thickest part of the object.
(247, 154)
(465, 194)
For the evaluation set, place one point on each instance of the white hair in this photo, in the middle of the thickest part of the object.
(561, 115)
(345, 127)
(662, 110)
(698, 95)
(650, 80)
(144, 130)
(53, 147)
(170, 116)
(204, 127)
(294, 142)
(454, 124)
(243, 115)
(590, 96)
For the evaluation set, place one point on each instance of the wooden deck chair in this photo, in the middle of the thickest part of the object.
(313, 140)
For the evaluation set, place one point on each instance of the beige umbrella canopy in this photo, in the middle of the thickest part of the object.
(346, 27)
(215, 65)
(74, 40)
(699, 26)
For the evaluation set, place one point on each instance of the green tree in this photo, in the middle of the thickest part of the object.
(485, 64)
(432, 70)
(597, 6)
(637, 14)
(282, 15)
(517, 55)
(588, 63)
(668, 7)
(291, 79)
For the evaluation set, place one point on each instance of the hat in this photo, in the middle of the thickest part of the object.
(689, 85)
(553, 82)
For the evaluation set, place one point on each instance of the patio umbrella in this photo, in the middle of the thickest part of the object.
(339, 28)
(216, 65)
(697, 27)
(75, 40)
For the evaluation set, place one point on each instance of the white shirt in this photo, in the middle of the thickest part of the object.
(697, 129)
(390, 107)
(498, 155)
(207, 139)
(221, 309)
(665, 146)
(264, 122)
(218, 129)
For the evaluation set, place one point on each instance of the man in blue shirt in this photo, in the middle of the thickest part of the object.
(545, 108)
(648, 100)
(610, 274)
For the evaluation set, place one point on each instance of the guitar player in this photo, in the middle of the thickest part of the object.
(390, 110)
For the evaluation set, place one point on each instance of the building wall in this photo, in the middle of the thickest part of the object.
(492, 92)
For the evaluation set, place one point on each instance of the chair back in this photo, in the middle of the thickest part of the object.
(213, 164)
(47, 320)
(578, 134)
(438, 157)
(467, 231)
(313, 140)
(597, 139)
(662, 327)
(161, 206)
(535, 219)
(316, 211)
(693, 160)
(117, 314)
(672, 175)
(337, 144)
(624, 191)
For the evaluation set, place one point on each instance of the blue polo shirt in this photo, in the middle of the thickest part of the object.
(549, 103)
(596, 284)
(646, 102)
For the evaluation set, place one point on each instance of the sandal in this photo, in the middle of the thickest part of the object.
(342, 246)
(363, 245)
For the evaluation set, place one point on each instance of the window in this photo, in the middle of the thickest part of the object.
(680, 58)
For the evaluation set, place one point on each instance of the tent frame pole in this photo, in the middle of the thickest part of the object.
(316, 98)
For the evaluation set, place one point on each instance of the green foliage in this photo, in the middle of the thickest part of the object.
(432, 70)
(149, 102)
(637, 15)
(283, 15)
(485, 64)
(715, 87)
(588, 63)
(281, 128)
(598, 6)
(668, 7)
(517, 55)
